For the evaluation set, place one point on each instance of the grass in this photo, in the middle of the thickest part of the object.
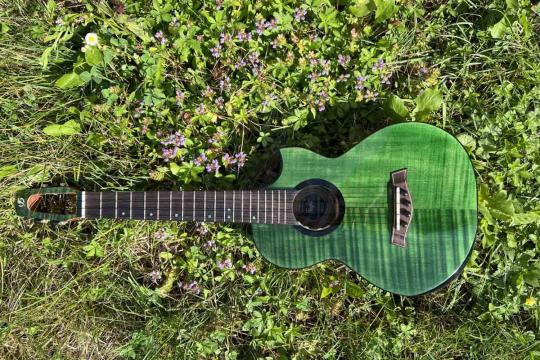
(83, 290)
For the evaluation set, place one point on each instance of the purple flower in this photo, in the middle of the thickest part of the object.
(200, 160)
(169, 154)
(179, 96)
(343, 60)
(155, 276)
(333, 284)
(423, 71)
(343, 77)
(208, 92)
(216, 51)
(213, 166)
(379, 65)
(225, 83)
(385, 78)
(225, 264)
(219, 102)
(176, 139)
(260, 25)
(243, 36)
(192, 287)
(322, 100)
(241, 158)
(370, 95)
(159, 35)
(299, 14)
(250, 268)
(225, 38)
(228, 160)
(201, 109)
(160, 234)
(209, 244)
(174, 22)
(272, 24)
(360, 82)
(240, 64)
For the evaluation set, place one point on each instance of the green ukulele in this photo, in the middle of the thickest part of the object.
(400, 208)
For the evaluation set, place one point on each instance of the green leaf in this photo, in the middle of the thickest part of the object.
(166, 255)
(498, 30)
(325, 292)
(467, 141)
(93, 56)
(175, 169)
(353, 290)
(396, 107)
(385, 9)
(361, 8)
(7, 170)
(70, 127)
(69, 80)
(93, 250)
(429, 100)
(526, 218)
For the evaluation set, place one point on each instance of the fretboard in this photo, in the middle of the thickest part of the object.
(257, 206)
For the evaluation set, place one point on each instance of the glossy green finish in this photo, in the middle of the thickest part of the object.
(442, 232)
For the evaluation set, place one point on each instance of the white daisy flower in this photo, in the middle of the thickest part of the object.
(91, 39)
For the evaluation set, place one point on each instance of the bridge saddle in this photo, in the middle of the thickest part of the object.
(403, 207)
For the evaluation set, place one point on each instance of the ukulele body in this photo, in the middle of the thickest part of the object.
(440, 234)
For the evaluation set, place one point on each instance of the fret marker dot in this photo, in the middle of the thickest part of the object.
(254, 218)
(123, 213)
(151, 214)
(175, 215)
(209, 216)
(229, 209)
(228, 217)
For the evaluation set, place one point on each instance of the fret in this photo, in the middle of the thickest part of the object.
(144, 205)
(265, 207)
(182, 205)
(108, 204)
(100, 205)
(164, 205)
(122, 199)
(137, 208)
(224, 205)
(204, 205)
(91, 208)
(157, 210)
(278, 203)
(250, 216)
(242, 206)
(285, 206)
(116, 204)
(176, 204)
(272, 206)
(193, 206)
(215, 198)
(234, 203)
(130, 205)
(258, 203)
(151, 202)
(170, 205)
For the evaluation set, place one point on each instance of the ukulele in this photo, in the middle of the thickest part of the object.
(399, 208)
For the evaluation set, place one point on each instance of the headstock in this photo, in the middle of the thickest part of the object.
(48, 203)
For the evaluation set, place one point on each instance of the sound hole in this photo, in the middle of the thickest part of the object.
(318, 206)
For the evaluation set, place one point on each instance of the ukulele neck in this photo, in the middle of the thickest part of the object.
(256, 206)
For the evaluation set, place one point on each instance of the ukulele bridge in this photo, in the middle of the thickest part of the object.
(402, 207)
